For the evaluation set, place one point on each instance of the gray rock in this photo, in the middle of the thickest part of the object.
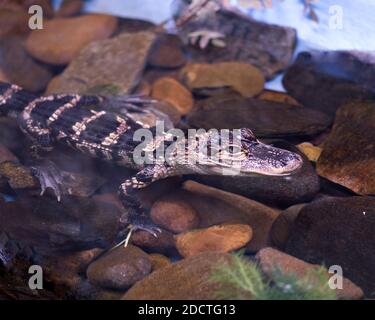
(264, 118)
(338, 231)
(325, 80)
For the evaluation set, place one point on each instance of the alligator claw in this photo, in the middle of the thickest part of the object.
(205, 37)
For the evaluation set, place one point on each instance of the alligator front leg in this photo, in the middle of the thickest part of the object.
(138, 217)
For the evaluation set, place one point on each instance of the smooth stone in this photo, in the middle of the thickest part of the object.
(101, 67)
(13, 20)
(325, 80)
(310, 151)
(243, 78)
(7, 155)
(284, 191)
(164, 243)
(69, 8)
(170, 90)
(268, 47)
(159, 261)
(61, 39)
(120, 268)
(277, 96)
(266, 119)
(272, 260)
(18, 176)
(338, 231)
(348, 156)
(174, 214)
(19, 68)
(131, 25)
(216, 206)
(187, 279)
(220, 238)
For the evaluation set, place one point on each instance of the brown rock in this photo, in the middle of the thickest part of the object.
(18, 176)
(218, 207)
(173, 92)
(13, 20)
(338, 231)
(187, 279)
(277, 96)
(159, 261)
(348, 156)
(7, 155)
(119, 268)
(310, 151)
(107, 72)
(69, 8)
(61, 39)
(167, 52)
(223, 238)
(243, 78)
(133, 25)
(164, 243)
(271, 260)
(174, 214)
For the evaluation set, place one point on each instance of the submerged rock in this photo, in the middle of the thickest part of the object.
(112, 66)
(325, 80)
(264, 118)
(348, 156)
(338, 231)
(61, 39)
(268, 47)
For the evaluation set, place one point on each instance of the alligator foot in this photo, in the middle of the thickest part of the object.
(206, 37)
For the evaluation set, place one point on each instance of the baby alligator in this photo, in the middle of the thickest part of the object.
(71, 119)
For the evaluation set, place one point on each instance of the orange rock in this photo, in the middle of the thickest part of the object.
(159, 261)
(62, 38)
(69, 8)
(173, 92)
(242, 77)
(277, 96)
(221, 238)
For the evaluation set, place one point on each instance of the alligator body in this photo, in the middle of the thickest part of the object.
(70, 119)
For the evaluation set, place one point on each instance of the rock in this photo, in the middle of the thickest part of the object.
(48, 227)
(284, 191)
(7, 155)
(159, 261)
(338, 231)
(265, 118)
(268, 47)
(119, 269)
(62, 39)
(164, 243)
(219, 207)
(13, 20)
(46, 5)
(271, 260)
(173, 92)
(243, 78)
(276, 96)
(69, 8)
(348, 156)
(174, 214)
(325, 80)
(18, 176)
(19, 68)
(187, 279)
(222, 238)
(108, 72)
(130, 25)
(310, 151)
(167, 52)
(283, 224)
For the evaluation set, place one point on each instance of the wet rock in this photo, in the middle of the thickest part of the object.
(7, 155)
(348, 156)
(13, 20)
(108, 72)
(264, 118)
(271, 260)
(298, 187)
(19, 68)
(222, 238)
(268, 47)
(159, 261)
(310, 151)
(164, 243)
(120, 268)
(130, 25)
(283, 225)
(338, 231)
(173, 92)
(276, 96)
(167, 52)
(174, 214)
(82, 185)
(325, 80)
(62, 39)
(220, 207)
(187, 279)
(69, 8)
(241, 77)
(18, 176)
(48, 226)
